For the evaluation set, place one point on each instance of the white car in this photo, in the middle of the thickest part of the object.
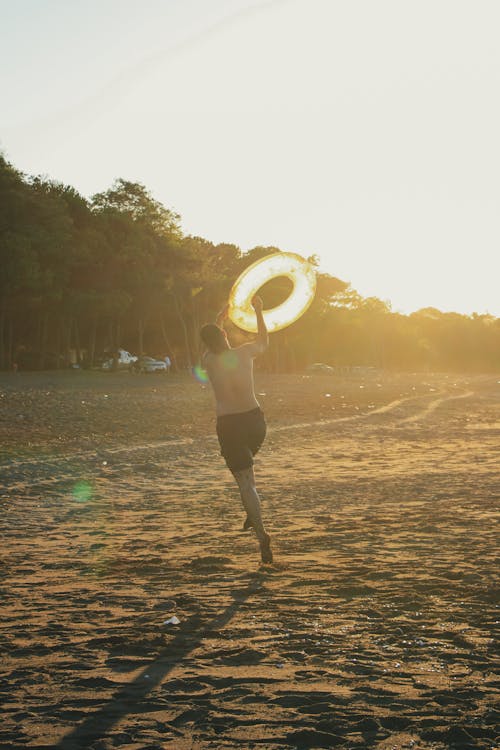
(124, 361)
(149, 364)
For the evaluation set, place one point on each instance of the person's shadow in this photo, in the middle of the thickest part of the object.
(97, 725)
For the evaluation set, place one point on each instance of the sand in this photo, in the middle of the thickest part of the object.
(374, 627)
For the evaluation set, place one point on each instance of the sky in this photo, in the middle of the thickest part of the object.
(365, 132)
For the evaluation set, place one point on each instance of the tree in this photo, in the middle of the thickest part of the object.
(133, 199)
(117, 271)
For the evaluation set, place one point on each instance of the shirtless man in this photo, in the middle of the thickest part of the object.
(241, 427)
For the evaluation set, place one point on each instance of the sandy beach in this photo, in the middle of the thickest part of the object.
(374, 628)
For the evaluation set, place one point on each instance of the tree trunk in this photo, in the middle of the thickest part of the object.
(140, 330)
(167, 343)
(93, 336)
(58, 344)
(111, 338)
(10, 343)
(195, 327)
(293, 359)
(2, 339)
(277, 358)
(184, 329)
(43, 341)
(39, 333)
(67, 341)
(77, 342)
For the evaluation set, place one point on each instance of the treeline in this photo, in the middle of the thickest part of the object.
(81, 278)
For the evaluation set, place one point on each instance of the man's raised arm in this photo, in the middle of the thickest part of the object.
(262, 337)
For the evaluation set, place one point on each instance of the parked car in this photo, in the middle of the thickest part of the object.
(123, 361)
(149, 364)
(321, 368)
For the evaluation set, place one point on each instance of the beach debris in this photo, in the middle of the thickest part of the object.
(172, 621)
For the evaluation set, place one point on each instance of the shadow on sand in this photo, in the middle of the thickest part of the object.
(97, 726)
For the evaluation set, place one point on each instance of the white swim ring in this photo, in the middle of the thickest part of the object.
(290, 265)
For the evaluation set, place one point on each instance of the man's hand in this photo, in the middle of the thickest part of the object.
(257, 304)
(262, 336)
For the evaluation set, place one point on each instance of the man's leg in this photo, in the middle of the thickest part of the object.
(251, 502)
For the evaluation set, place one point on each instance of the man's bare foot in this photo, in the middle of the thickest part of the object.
(247, 524)
(265, 550)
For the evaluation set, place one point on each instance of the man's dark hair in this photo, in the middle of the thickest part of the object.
(214, 338)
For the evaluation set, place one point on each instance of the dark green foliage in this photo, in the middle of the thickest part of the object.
(80, 278)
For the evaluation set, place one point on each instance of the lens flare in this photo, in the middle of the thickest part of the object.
(200, 374)
(82, 492)
(295, 268)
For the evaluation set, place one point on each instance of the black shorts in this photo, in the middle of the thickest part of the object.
(240, 437)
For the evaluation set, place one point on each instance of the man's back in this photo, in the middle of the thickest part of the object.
(231, 376)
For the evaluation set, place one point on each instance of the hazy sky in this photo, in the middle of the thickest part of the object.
(366, 131)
